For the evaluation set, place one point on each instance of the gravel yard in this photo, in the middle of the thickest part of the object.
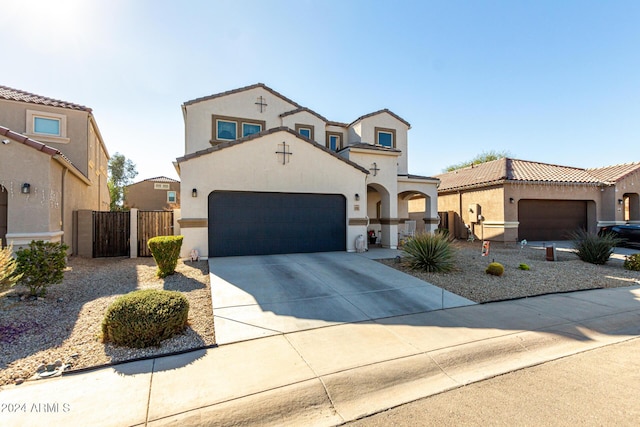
(65, 325)
(568, 273)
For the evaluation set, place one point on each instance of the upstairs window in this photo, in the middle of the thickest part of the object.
(232, 128)
(46, 126)
(305, 130)
(171, 197)
(334, 141)
(386, 137)
(250, 129)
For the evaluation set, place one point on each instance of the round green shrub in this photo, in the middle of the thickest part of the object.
(632, 262)
(166, 252)
(495, 269)
(524, 266)
(145, 318)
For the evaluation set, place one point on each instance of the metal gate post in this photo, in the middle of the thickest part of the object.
(133, 233)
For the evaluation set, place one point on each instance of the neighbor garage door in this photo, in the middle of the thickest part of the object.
(243, 223)
(550, 219)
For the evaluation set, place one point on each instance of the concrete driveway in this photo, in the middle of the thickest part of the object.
(259, 296)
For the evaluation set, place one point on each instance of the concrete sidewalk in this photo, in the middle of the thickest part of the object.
(329, 375)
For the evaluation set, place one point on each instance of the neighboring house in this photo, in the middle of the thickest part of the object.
(511, 200)
(53, 162)
(266, 175)
(153, 194)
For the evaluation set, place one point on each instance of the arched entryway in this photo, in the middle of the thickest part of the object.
(631, 203)
(382, 213)
(4, 205)
(415, 206)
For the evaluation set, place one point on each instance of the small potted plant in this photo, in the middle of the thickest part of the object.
(372, 237)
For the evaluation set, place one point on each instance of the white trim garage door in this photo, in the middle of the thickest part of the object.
(550, 219)
(260, 223)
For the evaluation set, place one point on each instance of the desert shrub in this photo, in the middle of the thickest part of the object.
(166, 252)
(429, 252)
(594, 248)
(495, 269)
(40, 265)
(8, 265)
(632, 262)
(144, 318)
(524, 266)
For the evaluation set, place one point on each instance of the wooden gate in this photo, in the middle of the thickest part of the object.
(110, 234)
(152, 224)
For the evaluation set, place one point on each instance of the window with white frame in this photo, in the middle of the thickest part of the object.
(46, 126)
(161, 186)
(386, 137)
(305, 130)
(171, 197)
(334, 141)
(232, 128)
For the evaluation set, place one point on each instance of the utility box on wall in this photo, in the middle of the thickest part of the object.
(474, 213)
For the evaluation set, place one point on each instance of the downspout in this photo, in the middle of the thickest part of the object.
(456, 224)
(62, 191)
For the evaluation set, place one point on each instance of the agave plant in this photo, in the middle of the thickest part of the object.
(594, 248)
(433, 253)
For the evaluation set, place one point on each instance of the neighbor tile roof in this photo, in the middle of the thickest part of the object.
(616, 172)
(506, 169)
(22, 96)
(161, 179)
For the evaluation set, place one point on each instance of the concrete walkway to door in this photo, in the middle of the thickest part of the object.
(259, 296)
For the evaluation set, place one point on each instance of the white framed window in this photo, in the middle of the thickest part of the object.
(334, 141)
(46, 126)
(305, 130)
(160, 186)
(171, 197)
(250, 129)
(232, 128)
(226, 130)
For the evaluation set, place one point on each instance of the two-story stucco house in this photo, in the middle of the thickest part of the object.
(53, 162)
(153, 194)
(262, 174)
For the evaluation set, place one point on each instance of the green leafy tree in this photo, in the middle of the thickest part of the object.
(121, 173)
(484, 157)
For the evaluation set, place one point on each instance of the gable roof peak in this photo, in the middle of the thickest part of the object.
(242, 89)
(384, 110)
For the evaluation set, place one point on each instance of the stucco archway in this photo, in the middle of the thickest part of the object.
(4, 214)
(631, 207)
(415, 206)
(382, 213)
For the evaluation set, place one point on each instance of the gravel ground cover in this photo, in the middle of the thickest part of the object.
(568, 273)
(65, 326)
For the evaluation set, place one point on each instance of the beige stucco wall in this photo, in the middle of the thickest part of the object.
(255, 166)
(144, 196)
(306, 118)
(364, 131)
(198, 116)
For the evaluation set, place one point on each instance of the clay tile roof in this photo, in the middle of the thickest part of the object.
(242, 89)
(161, 179)
(505, 169)
(367, 146)
(614, 173)
(22, 96)
(30, 142)
(304, 109)
(391, 113)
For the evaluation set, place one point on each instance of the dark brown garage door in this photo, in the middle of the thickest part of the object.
(243, 223)
(550, 219)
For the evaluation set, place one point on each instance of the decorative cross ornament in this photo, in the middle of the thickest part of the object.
(285, 152)
(262, 105)
(375, 169)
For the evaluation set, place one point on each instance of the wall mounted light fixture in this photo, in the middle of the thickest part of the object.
(194, 192)
(357, 197)
(26, 188)
(620, 201)
(511, 200)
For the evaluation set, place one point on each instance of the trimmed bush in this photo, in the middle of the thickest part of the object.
(166, 252)
(8, 265)
(41, 265)
(495, 269)
(594, 248)
(632, 262)
(429, 252)
(145, 318)
(524, 267)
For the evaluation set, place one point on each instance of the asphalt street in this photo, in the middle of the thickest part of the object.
(600, 387)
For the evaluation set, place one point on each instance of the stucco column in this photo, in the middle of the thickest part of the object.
(389, 232)
(133, 233)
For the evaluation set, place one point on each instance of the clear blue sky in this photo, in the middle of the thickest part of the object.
(549, 81)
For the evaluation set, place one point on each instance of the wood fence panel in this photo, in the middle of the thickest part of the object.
(152, 224)
(111, 234)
